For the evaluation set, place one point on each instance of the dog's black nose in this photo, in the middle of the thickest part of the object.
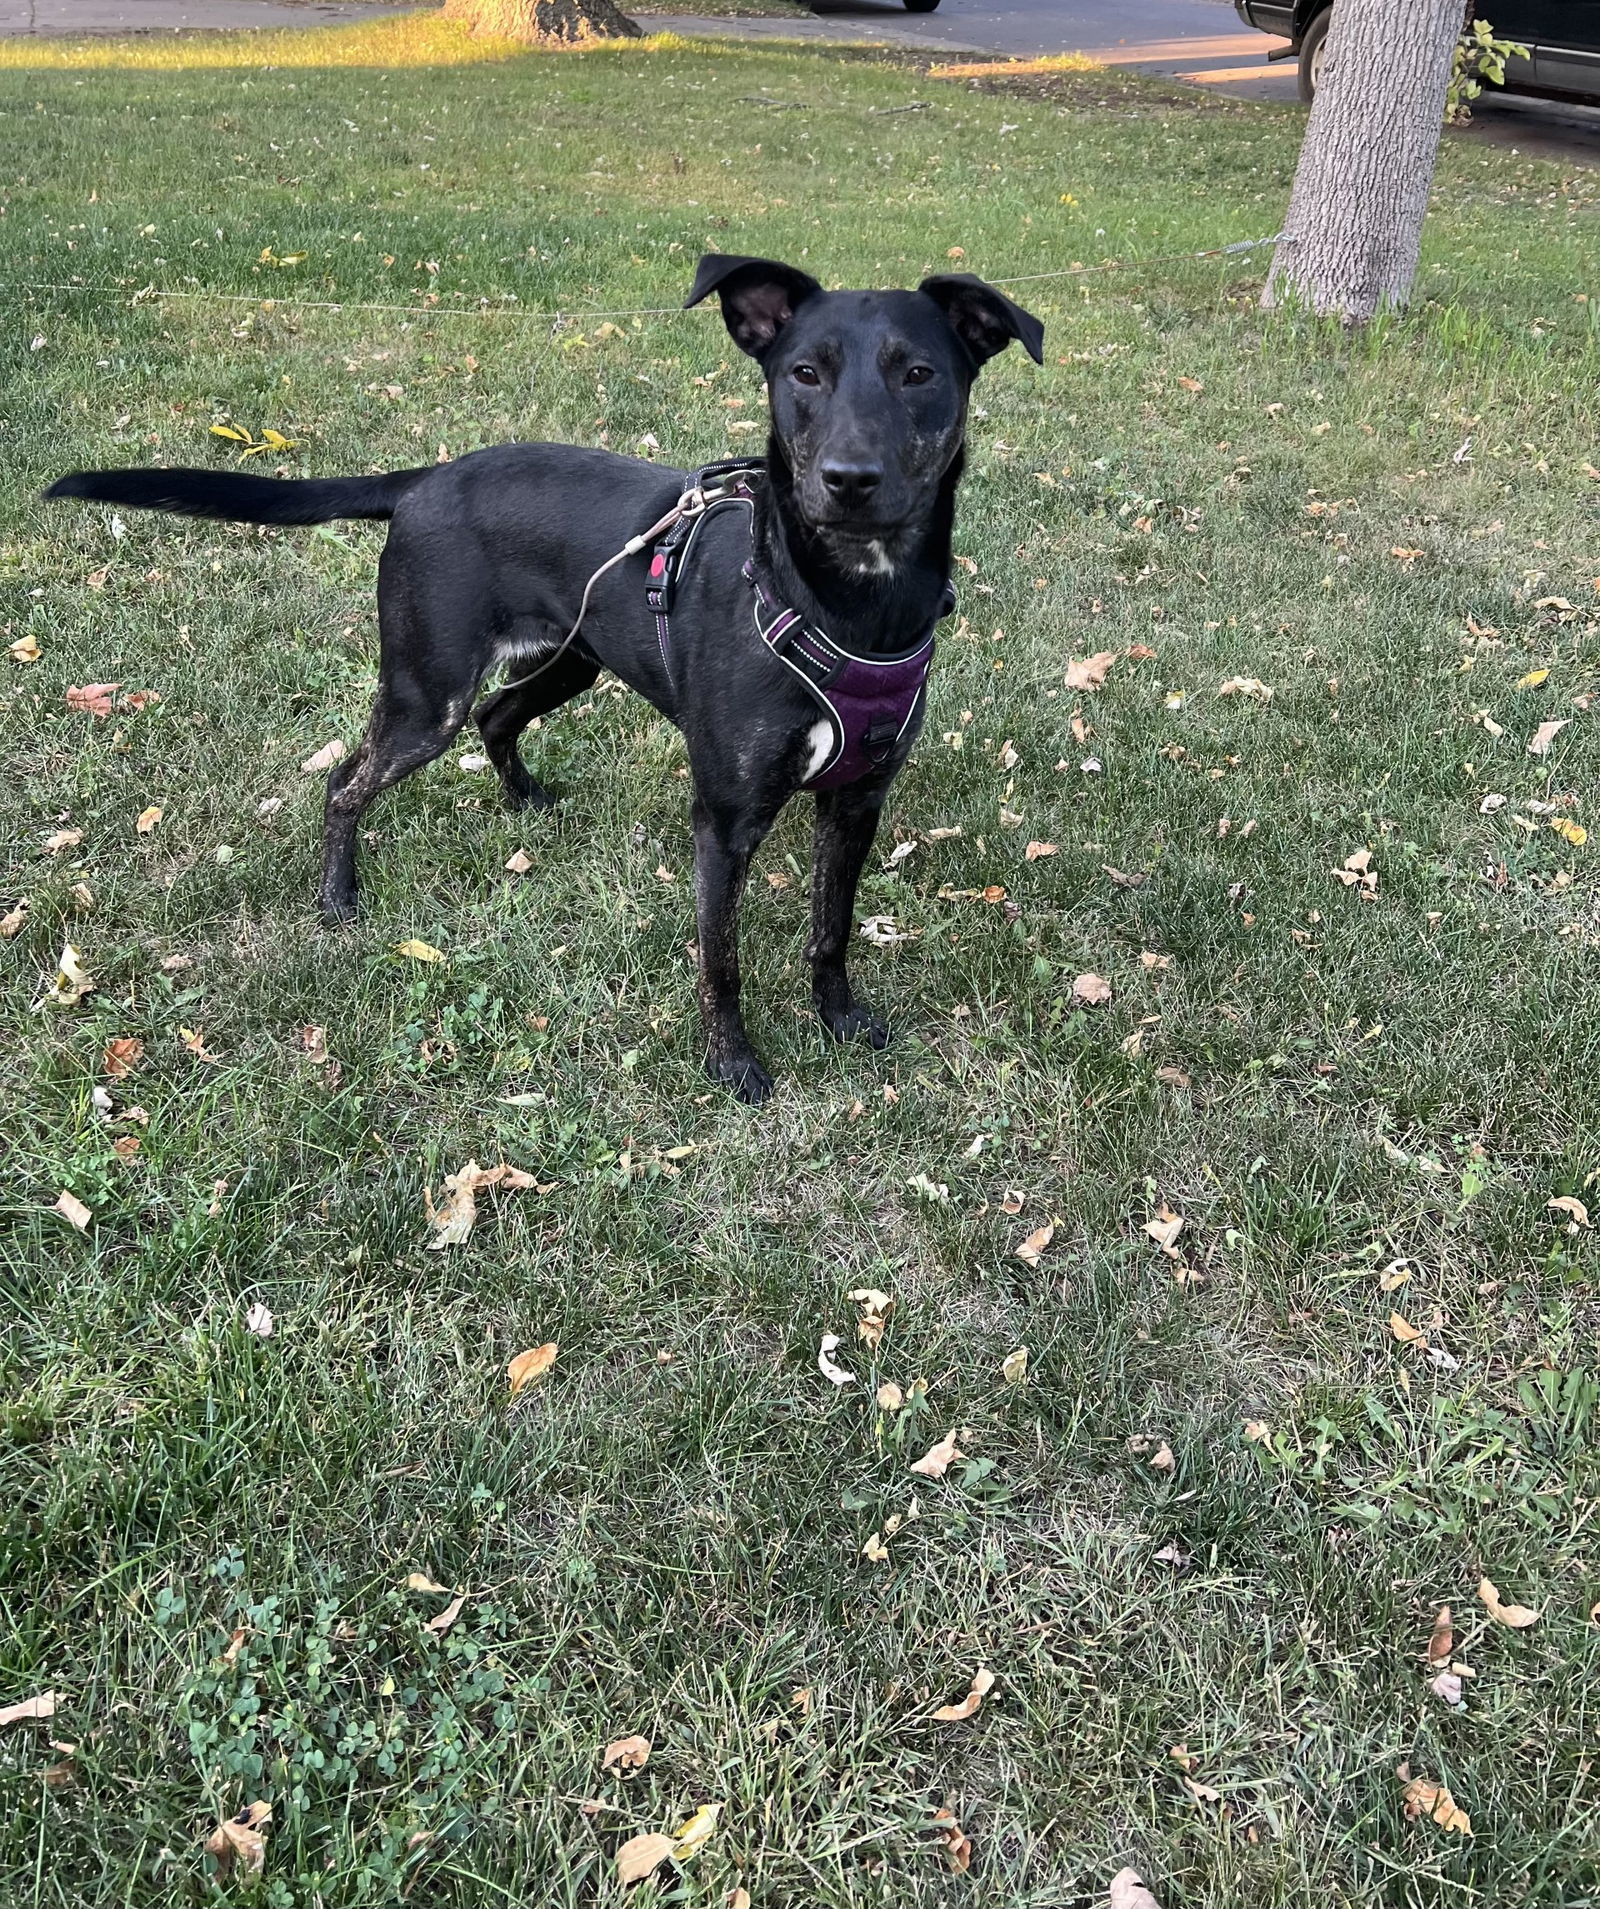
(851, 483)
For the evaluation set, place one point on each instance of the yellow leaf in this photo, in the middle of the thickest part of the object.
(875, 1549)
(415, 950)
(875, 1310)
(1515, 1617)
(627, 1753)
(982, 1684)
(72, 980)
(1573, 832)
(641, 1856)
(1014, 1367)
(420, 1581)
(26, 649)
(938, 1459)
(528, 1368)
(240, 1840)
(232, 432)
(1533, 679)
(693, 1836)
(1164, 1227)
(147, 820)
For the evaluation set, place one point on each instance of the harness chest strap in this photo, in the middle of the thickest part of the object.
(868, 701)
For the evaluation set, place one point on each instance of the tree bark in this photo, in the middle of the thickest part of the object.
(1354, 228)
(564, 20)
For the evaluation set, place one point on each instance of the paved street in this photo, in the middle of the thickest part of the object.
(1200, 41)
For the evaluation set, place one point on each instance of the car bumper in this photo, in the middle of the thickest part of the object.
(1268, 16)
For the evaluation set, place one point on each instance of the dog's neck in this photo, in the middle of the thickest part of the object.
(869, 594)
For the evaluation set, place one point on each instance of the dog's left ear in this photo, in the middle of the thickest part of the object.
(759, 296)
(983, 319)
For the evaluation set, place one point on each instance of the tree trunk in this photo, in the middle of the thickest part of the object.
(1354, 226)
(568, 20)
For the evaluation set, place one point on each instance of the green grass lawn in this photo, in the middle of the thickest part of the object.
(1360, 1101)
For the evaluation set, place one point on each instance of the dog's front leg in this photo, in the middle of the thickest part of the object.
(847, 820)
(724, 841)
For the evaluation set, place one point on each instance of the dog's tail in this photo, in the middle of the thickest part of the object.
(239, 497)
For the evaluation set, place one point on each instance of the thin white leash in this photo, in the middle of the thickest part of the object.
(693, 503)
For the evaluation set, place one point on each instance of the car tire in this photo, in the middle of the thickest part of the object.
(921, 6)
(1311, 54)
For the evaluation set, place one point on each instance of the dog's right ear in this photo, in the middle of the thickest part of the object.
(759, 296)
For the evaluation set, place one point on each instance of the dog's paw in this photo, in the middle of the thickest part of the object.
(527, 795)
(338, 911)
(849, 1024)
(744, 1074)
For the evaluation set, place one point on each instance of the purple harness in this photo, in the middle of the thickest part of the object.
(868, 701)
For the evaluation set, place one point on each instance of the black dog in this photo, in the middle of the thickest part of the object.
(786, 629)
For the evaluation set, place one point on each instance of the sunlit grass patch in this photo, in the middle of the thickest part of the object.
(419, 39)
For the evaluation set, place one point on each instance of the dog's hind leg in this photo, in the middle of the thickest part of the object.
(847, 820)
(412, 721)
(502, 717)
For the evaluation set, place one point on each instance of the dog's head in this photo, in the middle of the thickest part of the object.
(868, 390)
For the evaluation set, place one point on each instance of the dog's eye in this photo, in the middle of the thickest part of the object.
(919, 374)
(805, 374)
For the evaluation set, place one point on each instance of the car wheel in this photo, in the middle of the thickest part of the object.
(921, 6)
(1311, 46)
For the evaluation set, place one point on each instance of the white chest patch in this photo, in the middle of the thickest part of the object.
(820, 742)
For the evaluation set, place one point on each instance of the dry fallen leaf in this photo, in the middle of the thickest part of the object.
(194, 1039)
(26, 648)
(1155, 1452)
(627, 1753)
(73, 1210)
(1546, 734)
(11, 922)
(1014, 1366)
(94, 699)
(1422, 1798)
(957, 1845)
(1405, 1332)
(875, 1549)
(1251, 686)
(1036, 851)
(420, 1581)
(121, 1057)
(641, 1856)
(739, 1898)
(31, 1710)
(1164, 1227)
(528, 1368)
(240, 1840)
(415, 950)
(828, 1366)
(147, 819)
(1442, 1641)
(519, 863)
(1128, 1891)
(62, 838)
(1574, 1209)
(1033, 1246)
(889, 1397)
(1090, 672)
(1515, 1617)
(1447, 1687)
(325, 758)
(1091, 991)
(875, 1310)
(440, 1624)
(938, 1459)
(258, 1320)
(982, 1684)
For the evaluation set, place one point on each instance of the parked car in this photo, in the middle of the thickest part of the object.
(1563, 38)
